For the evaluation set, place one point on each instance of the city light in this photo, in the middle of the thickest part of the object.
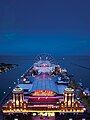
(43, 95)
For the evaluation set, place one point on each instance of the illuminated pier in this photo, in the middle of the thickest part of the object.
(40, 91)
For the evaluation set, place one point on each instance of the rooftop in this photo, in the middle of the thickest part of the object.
(44, 84)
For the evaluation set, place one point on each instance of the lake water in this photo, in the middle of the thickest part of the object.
(77, 65)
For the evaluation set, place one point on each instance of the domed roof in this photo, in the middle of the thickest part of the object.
(44, 84)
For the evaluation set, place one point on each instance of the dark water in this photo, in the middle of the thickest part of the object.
(69, 62)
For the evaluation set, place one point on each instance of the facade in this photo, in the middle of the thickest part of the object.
(45, 93)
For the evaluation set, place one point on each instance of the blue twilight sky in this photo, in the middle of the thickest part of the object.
(59, 27)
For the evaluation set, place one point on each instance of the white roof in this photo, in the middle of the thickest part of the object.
(25, 86)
